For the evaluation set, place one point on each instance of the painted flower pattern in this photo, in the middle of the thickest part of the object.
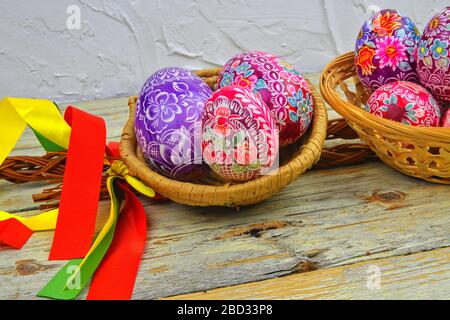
(168, 114)
(364, 34)
(227, 79)
(223, 119)
(162, 107)
(364, 59)
(272, 79)
(301, 106)
(390, 52)
(433, 57)
(386, 23)
(405, 102)
(437, 24)
(240, 140)
(423, 50)
(386, 49)
(439, 49)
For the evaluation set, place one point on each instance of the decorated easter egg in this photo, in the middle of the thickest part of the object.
(168, 120)
(240, 138)
(446, 119)
(433, 58)
(385, 48)
(405, 102)
(279, 85)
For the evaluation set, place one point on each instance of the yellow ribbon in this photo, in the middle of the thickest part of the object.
(41, 222)
(45, 119)
(41, 115)
(118, 168)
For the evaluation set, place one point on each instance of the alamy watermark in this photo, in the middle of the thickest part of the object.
(374, 277)
(73, 21)
(74, 278)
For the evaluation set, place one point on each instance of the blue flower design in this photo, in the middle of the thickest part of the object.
(302, 104)
(391, 100)
(423, 49)
(439, 49)
(242, 68)
(364, 34)
(227, 79)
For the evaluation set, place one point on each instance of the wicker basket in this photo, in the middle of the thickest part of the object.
(295, 163)
(420, 152)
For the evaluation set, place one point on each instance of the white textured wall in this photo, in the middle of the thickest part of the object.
(121, 42)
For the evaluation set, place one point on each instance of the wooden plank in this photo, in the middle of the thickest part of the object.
(420, 276)
(325, 219)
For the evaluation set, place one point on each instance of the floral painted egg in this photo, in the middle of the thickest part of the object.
(385, 48)
(240, 138)
(405, 102)
(433, 58)
(168, 119)
(279, 85)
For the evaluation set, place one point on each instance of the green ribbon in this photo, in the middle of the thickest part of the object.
(68, 283)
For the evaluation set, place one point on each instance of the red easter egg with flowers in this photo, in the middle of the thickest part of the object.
(279, 85)
(405, 102)
(240, 138)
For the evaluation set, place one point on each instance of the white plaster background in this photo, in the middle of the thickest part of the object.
(122, 42)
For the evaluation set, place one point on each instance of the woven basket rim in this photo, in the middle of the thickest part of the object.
(356, 114)
(304, 159)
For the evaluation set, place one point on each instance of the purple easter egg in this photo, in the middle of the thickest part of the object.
(433, 57)
(168, 122)
(385, 49)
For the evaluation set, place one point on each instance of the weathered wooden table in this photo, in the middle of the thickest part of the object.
(355, 232)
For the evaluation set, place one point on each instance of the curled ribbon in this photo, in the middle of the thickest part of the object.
(122, 253)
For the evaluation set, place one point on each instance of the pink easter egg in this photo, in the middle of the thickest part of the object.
(433, 56)
(279, 85)
(405, 102)
(240, 138)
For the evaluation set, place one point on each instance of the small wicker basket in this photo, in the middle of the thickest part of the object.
(292, 164)
(420, 152)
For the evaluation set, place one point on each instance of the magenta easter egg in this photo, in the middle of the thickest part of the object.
(240, 138)
(168, 121)
(433, 58)
(279, 85)
(405, 102)
(385, 49)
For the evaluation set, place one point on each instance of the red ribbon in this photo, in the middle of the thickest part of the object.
(116, 275)
(14, 233)
(82, 179)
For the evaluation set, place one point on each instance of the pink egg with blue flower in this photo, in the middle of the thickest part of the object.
(433, 56)
(405, 102)
(240, 138)
(385, 49)
(279, 85)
